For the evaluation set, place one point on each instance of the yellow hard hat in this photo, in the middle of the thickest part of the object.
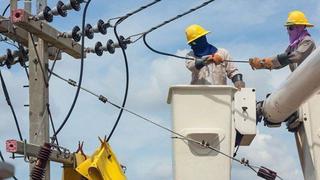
(297, 18)
(195, 31)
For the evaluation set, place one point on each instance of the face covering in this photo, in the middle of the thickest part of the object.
(296, 34)
(201, 47)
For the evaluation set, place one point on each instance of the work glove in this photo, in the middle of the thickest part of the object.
(216, 58)
(239, 84)
(257, 63)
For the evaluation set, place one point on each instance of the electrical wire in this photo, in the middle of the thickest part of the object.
(81, 72)
(170, 20)
(127, 82)
(6, 94)
(120, 20)
(52, 124)
(182, 57)
(133, 12)
(2, 159)
(186, 138)
(6, 9)
(105, 100)
(144, 34)
(54, 63)
(26, 70)
(10, 43)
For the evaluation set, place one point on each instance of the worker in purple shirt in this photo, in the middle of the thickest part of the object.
(300, 47)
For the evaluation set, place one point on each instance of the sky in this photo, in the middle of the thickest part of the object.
(245, 28)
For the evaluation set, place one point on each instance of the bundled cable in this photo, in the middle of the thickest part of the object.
(120, 20)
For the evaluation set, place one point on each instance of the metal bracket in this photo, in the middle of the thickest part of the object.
(20, 35)
(44, 31)
(20, 147)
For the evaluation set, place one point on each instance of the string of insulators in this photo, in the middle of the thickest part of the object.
(110, 46)
(60, 9)
(9, 58)
(89, 31)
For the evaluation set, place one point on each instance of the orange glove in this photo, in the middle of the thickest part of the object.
(257, 63)
(215, 58)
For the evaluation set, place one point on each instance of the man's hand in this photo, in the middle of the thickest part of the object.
(216, 58)
(239, 84)
(257, 63)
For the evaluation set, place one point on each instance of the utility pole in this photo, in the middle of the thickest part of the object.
(38, 91)
(36, 35)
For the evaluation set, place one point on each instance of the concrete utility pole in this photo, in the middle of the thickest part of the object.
(23, 29)
(38, 91)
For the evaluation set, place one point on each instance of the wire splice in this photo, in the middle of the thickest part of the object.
(72, 82)
(103, 99)
(267, 173)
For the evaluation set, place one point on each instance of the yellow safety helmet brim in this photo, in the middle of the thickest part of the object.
(200, 35)
(292, 24)
(297, 17)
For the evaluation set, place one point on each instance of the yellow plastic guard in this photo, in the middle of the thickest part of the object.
(69, 173)
(102, 165)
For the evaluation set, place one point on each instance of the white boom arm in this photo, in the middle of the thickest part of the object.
(299, 87)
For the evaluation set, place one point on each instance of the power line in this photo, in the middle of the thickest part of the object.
(80, 75)
(140, 35)
(120, 20)
(136, 11)
(183, 57)
(6, 94)
(54, 63)
(127, 81)
(5, 10)
(203, 144)
(52, 124)
(144, 34)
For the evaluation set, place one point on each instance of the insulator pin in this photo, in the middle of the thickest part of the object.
(58, 10)
(45, 14)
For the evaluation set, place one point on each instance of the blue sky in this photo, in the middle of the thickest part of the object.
(245, 28)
